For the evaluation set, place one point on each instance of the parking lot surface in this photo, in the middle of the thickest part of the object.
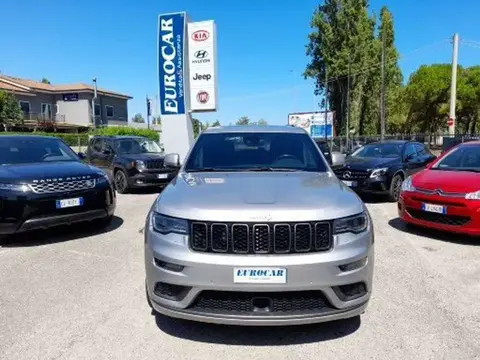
(79, 294)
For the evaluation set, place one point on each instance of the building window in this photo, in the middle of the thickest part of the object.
(109, 110)
(25, 106)
(97, 110)
(47, 111)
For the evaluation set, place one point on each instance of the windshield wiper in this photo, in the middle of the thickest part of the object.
(259, 169)
(208, 169)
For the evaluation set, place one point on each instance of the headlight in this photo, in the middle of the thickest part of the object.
(354, 224)
(378, 172)
(15, 187)
(139, 164)
(407, 185)
(473, 195)
(103, 179)
(166, 224)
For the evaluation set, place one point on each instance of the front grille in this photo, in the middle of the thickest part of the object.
(154, 164)
(345, 174)
(62, 186)
(267, 238)
(260, 303)
(454, 220)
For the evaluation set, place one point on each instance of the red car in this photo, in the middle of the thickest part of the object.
(446, 195)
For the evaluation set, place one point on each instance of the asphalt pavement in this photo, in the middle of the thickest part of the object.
(78, 293)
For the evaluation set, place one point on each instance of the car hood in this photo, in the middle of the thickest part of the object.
(450, 181)
(362, 163)
(143, 157)
(260, 197)
(47, 170)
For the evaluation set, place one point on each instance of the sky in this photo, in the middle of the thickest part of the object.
(261, 46)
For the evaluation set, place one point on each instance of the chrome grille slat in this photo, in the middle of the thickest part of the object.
(261, 238)
(441, 193)
(61, 186)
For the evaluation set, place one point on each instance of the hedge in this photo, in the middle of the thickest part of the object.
(81, 139)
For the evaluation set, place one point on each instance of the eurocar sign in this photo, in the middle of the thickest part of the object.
(171, 55)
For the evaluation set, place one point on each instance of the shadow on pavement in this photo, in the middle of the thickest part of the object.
(144, 191)
(61, 233)
(433, 234)
(374, 199)
(257, 336)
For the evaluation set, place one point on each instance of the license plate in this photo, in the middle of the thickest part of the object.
(66, 203)
(350, 183)
(260, 275)
(162, 176)
(434, 208)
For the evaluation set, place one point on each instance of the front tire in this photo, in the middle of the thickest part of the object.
(121, 182)
(395, 188)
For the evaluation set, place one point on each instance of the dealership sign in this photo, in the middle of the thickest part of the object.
(202, 64)
(171, 48)
(315, 123)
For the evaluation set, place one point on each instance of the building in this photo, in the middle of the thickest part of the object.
(67, 105)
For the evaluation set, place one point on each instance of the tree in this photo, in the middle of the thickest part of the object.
(198, 127)
(45, 81)
(261, 122)
(244, 120)
(216, 123)
(138, 118)
(156, 120)
(10, 111)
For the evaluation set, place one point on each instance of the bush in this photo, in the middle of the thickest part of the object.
(81, 139)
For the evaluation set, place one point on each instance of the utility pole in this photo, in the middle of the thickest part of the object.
(348, 101)
(382, 95)
(453, 90)
(326, 101)
(149, 111)
(93, 101)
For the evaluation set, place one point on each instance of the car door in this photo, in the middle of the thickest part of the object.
(411, 159)
(106, 155)
(95, 151)
(425, 155)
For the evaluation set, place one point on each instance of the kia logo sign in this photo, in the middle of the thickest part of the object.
(201, 54)
(200, 35)
(203, 97)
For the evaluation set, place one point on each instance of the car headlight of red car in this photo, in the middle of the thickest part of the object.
(473, 195)
(407, 185)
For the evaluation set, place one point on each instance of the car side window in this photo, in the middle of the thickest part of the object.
(420, 149)
(97, 145)
(410, 151)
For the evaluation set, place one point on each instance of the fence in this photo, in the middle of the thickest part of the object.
(435, 142)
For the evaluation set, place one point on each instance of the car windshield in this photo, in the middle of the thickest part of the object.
(462, 158)
(378, 151)
(34, 150)
(137, 146)
(255, 152)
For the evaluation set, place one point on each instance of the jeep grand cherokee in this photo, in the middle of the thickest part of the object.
(257, 230)
(43, 183)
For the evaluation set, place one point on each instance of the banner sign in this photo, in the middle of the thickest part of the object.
(70, 97)
(314, 123)
(171, 57)
(202, 58)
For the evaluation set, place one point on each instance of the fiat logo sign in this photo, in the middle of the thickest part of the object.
(202, 97)
(200, 35)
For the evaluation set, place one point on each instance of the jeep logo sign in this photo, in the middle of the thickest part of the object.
(205, 77)
(170, 63)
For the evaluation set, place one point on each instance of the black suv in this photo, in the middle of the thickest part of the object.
(132, 161)
(43, 183)
(380, 167)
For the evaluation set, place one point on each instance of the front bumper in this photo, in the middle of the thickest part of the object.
(200, 286)
(26, 212)
(146, 179)
(379, 185)
(462, 216)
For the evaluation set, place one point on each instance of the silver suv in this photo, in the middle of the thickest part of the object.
(257, 230)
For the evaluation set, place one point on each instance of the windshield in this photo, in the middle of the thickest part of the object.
(34, 150)
(465, 158)
(137, 146)
(379, 151)
(256, 152)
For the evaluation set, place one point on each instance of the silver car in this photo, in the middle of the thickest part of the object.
(257, 230)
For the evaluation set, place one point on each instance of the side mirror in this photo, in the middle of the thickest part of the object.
(172, 160)
(338, 159)
(82, 156)
(106, 152)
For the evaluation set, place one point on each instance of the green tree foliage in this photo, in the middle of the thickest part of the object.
(244, 120)
(45, 81)
(262, 122)
(138, 118)
(344, 33)
(10, 111)
(216, 123)
(156, 120)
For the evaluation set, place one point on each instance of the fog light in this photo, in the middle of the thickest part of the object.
(169, 266)
(354, 265)
(350, 291)
(171, 291)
